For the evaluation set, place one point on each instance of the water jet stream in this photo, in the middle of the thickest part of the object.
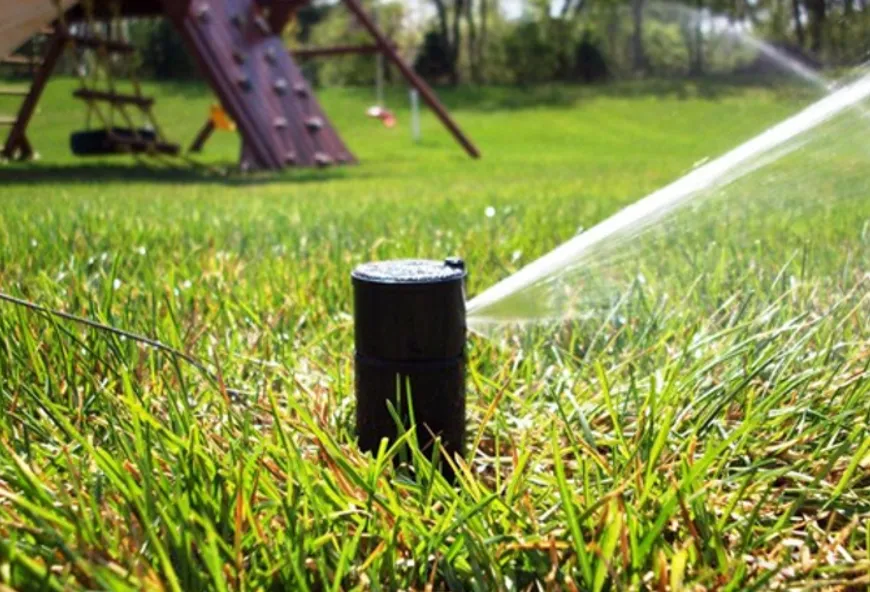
(771, 145)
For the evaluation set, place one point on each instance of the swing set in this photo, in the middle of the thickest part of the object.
(104, 102)
(237, 44)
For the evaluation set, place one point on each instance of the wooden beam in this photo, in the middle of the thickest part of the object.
(97, 43)
(19, 60)
(105, 9)
(280, 13)
(25, 150)
(17, 139)
(337, 50)
(202, 137)
(114, 98)
(427, 93)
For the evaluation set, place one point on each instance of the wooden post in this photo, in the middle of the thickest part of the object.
(202, 137)
(412, 78)
(280, 14)
(17, 140)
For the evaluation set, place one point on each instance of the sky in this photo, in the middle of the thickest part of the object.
(422, 9)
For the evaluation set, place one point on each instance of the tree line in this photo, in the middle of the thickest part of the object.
(591, 40)
(578, 41)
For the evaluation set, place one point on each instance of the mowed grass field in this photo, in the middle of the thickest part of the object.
(624, 459)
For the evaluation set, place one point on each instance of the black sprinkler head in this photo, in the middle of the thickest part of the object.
(410, 348)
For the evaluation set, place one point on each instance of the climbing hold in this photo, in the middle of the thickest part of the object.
(280, 123)
(280, 86)
(300, 89)
(271, 55)
(290, 157)
(262, 25)
(244, 83)
(202, 12)
(322, 159)
(313, 123)
(238, 57)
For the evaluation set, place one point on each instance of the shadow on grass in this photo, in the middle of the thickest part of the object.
(91, 173)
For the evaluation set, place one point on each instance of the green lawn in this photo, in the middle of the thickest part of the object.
(607, 460)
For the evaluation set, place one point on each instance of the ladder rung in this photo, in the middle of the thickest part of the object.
(7, 120)
(115, 98)
(19, 60)
(13, 92)
(314, 123)
(97, 43)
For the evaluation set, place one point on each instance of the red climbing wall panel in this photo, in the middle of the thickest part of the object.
(278, 116)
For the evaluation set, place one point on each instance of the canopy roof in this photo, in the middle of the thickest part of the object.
(22, 19)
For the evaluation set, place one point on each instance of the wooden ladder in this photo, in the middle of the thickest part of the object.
(17, 146)
(124, 140)
(10, 92)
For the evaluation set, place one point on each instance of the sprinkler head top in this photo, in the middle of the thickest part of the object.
(411, 271)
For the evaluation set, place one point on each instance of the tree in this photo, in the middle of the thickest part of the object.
(434, 60)
(640, 62)
(798, 24)
(696, 68)
(451, 33)
(473, 55)
(817, 10)
(484, 38)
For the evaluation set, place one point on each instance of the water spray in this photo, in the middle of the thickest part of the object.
(530, 286)
(410, 334)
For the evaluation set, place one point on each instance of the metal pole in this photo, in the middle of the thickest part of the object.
(410, 334)
(415, 115)
(379, 79)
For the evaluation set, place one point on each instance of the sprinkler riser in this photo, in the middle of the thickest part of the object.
(410, 335)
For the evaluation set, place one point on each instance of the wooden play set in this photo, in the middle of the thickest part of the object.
(238, 47)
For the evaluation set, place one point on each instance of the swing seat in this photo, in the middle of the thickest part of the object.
(118, 141)
(385, 115)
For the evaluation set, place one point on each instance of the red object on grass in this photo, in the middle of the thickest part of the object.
(385, 115)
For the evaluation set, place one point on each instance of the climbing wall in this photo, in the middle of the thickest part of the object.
(279, 118)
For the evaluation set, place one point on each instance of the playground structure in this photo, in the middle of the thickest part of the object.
(238, 47)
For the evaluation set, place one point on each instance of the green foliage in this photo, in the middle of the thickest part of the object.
(589, 62)
(338, 27)
(569, 41)
(433, 62)
(532, 58)
(163, 54)
(666, 48)
(553, 50)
